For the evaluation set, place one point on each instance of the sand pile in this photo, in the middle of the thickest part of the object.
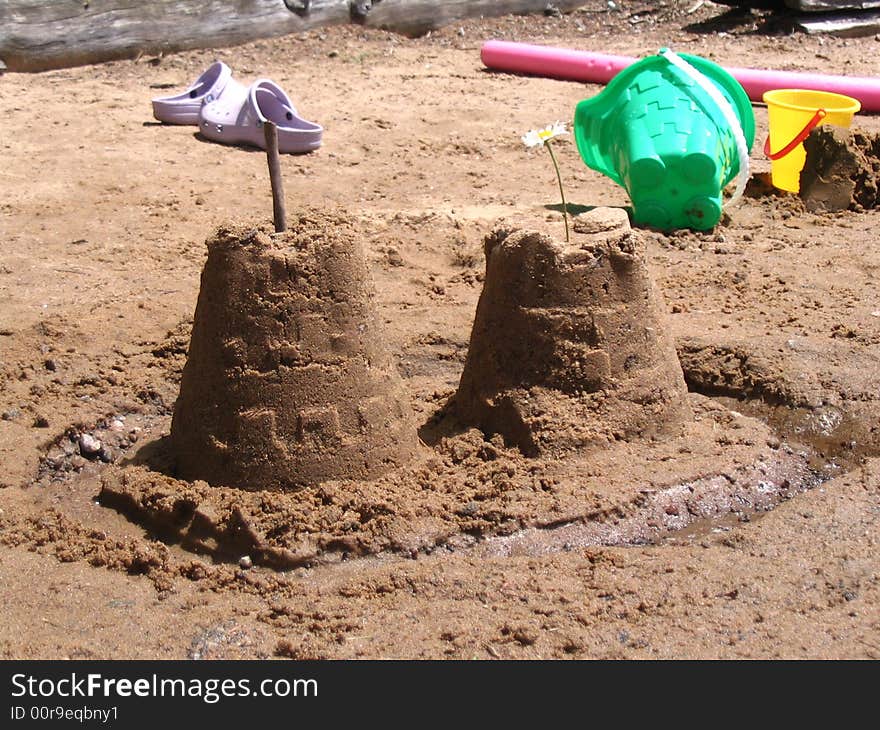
(569, 346)
(288, 381)
(842, 170)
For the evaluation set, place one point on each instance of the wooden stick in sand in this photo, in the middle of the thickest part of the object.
(271, 134)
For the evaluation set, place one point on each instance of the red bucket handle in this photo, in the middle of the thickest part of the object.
(799, 137)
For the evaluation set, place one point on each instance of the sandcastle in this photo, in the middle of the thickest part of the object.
(291, 410)
(288, 381)
(569, 346)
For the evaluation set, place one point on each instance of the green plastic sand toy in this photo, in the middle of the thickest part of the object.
(661, 135)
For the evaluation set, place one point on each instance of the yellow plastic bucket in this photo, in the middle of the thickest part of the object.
(792, 115)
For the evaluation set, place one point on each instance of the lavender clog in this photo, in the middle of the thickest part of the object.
(237, 118)
(183, 108)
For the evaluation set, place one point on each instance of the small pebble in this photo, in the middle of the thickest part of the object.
(41, 422)
(89, 446)
(245, 562)
(105, 454)
(11, 414)
(55, 461)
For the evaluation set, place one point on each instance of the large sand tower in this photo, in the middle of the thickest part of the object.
(569, 346)
(288, 381)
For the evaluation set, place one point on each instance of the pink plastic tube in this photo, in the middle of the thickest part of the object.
(600, 68)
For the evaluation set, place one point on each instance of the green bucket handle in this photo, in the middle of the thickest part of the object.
(798, 138)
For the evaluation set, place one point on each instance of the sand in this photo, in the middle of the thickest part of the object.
(747, 527)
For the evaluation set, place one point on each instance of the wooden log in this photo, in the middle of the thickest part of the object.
(416, 17)
(36, 35)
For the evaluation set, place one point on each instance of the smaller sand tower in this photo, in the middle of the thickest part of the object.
(288, 381)
(569, 346)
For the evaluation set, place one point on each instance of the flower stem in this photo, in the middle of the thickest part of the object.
(561, 191)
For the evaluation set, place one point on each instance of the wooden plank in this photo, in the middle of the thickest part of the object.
(813, 6)
(842, 25)
(36, 35)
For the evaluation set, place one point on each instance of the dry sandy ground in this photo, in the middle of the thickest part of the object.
(775, 315)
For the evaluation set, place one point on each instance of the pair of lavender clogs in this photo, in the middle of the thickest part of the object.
(229, 112)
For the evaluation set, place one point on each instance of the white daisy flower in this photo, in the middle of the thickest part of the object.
(538, 137)
(541, 138)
